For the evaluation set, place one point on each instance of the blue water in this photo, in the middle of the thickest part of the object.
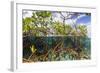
(42, 43)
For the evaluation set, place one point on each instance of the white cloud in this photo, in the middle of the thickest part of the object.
(89, 30)
(57, 18)
(80, 16)
(27, 14)
(70, 21)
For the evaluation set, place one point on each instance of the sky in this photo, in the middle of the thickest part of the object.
(81, 19)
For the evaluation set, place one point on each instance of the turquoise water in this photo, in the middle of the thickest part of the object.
(52, 41)
(44, 44)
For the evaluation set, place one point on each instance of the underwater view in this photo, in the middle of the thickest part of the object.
(56, 36)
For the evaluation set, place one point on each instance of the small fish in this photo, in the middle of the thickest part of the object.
(33, 49)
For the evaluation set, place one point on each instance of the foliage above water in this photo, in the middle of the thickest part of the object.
(41, 23)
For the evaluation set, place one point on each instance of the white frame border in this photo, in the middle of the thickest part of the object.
(16, 64)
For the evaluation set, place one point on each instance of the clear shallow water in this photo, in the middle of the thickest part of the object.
(54, 40)
(43, 44)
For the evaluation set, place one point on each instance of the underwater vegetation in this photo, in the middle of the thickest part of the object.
(56, 49)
